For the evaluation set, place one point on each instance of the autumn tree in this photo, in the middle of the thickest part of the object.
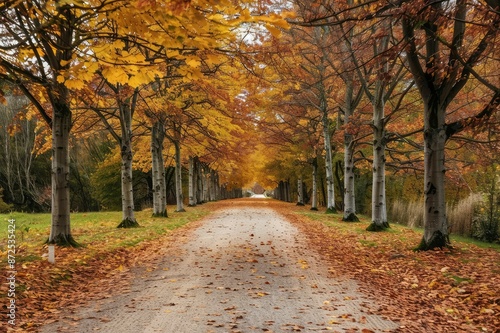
(40, 43)
(443, 43)
(453, 41)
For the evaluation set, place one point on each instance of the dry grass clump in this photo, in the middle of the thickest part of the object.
(460, 216)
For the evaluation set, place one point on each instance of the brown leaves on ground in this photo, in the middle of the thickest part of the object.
(449, 290)
(45, 291)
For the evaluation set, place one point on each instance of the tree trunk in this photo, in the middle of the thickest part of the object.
(314, 200)
(330, 185)
(349, 194)
(379, 206)
(213, 185)
(199, 181)
(128, 215)
(60, 229)
(435, 97)
(379, 209)
(192, 182)
(300, 193)
(158, 171)
(179, 198)
(435, 222)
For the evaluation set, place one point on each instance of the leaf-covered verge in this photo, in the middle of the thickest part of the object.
(455, 289)
(80, 275)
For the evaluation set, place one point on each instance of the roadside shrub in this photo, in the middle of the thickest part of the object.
(4, 207)
(486, 222)
(486, 228)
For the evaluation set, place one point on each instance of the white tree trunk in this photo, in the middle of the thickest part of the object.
(178, 178)
(300, 193)
(349, 181)
(379, 205)
(330, 185)
(158, 170)
(192, 183)
(379, 209)
(128, 215)
(314, 199)
(349, 194)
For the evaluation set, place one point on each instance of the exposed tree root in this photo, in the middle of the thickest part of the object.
(438, 240)
(331, 210)
(300, 204)
(128, 223)
(351, 218)
(314, 209)
(377, 227)
(162, 214)
(64, 240)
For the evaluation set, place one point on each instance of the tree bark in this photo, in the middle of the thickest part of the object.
(330, 185)
(128, 215)
(300, 193)
(314, 200)
(379, 206)
(60, 229)
(179, 198)
(379, 209)
(192, 182)
(435, 221)
(199, 181)
(349, 193)
(435, 104)
(158, 170)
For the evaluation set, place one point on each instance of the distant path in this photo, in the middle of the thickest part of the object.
(245, 269)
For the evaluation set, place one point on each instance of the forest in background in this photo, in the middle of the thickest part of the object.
(300, 97)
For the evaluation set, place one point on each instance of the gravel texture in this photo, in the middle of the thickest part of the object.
(243, 269)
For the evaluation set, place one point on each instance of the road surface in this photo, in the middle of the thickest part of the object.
(244, 269)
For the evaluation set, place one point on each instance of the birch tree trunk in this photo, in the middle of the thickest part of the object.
(435, 221)
(192, 182)
(349, 194)
(300, 193)
(314, 199)
(330, 185)
(60, 228)
(379, 209)
(179, 198)
(379, 206)
(128, 215)
(158, 170)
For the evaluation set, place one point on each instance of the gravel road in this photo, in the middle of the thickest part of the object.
(243, 269)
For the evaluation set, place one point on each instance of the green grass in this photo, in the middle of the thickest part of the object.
(95, 231)
(478, 243)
